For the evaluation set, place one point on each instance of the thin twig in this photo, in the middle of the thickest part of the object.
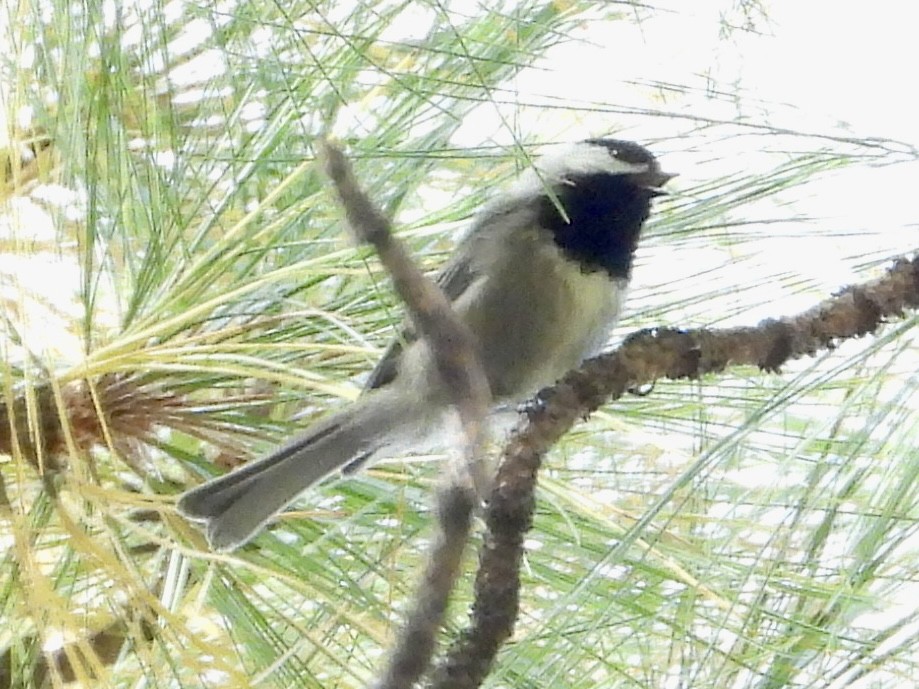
(643, 358)
(454, 351)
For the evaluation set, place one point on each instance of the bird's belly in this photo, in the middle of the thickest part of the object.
(549, 319)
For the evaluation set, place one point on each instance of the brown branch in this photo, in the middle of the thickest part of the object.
(105, 645)
(23, 160)
(39, 428)
(456, 358)
(415, 647)
(643, 358)
(451, 342)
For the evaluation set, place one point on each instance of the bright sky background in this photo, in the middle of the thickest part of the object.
(814, 66)
(827, 68)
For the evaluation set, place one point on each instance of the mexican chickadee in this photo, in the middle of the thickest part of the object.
(539, 288)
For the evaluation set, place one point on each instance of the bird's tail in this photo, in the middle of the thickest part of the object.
(236, 506)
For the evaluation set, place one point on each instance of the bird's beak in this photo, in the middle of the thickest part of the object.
(654, 179)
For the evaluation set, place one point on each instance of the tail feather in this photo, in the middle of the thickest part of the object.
(236, 506)
(212, 498)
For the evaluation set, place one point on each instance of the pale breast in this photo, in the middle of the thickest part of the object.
(536, 314)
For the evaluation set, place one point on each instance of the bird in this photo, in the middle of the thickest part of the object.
(539, 280)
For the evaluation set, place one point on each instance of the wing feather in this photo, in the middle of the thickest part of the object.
(453, 279)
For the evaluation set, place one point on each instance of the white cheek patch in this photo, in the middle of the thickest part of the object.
(585, 158)
(568, 160)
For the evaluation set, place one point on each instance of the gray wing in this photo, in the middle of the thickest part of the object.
(454, 279)
(458, 274)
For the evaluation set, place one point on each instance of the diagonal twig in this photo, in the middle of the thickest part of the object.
(455, 356)
(641, 359)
